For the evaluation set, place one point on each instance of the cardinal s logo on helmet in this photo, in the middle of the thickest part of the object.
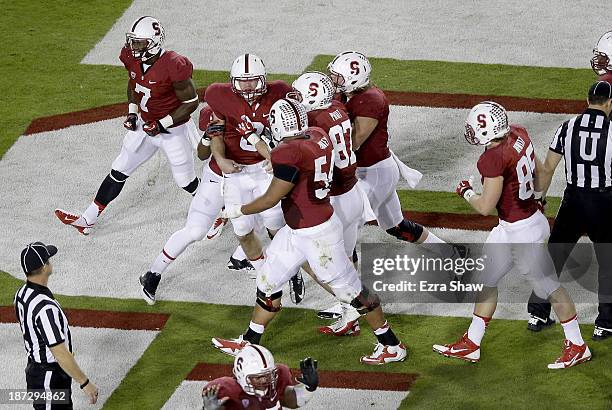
(288, 118)
(145, 38)
(486, 122)
(350, 71)
(314, 90)
(256, 372)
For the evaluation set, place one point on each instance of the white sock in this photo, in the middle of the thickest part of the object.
(162, 262)
(90, 216)
(257, 328)
(572, 331)
(477, 329)
(382, 330)
(431, 238)
(439, 247)
(239, 254)
(258, 263)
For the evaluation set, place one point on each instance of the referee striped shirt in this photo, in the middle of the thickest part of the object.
(42, 321)
(585, 142)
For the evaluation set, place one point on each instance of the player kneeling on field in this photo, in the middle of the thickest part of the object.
(508, 166)
(259, 383)
(303, 166)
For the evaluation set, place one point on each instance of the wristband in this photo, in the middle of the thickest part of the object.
(132, 108)
(467, 195)
(205, 140)
(253, 138)
(302, 395)
(166, 122)
(84, 384)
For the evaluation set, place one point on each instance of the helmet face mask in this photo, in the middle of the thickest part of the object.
(262, 384)
(600, 62)
(486, 121)
(248, 77)
(350, 71)
(146, 38)
(314, 90)
(256, 372)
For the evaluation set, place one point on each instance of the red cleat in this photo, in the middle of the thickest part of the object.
(73, 220)
(463, 349)
(571, 356)
(229, 346)
(217, 228)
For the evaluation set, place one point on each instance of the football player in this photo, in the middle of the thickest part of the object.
(602, 53)
(161, 96)
(316, 92)
(242, 105)
(303, 166)
(507, 167)
(259, 383)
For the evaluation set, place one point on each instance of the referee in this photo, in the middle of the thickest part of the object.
(46, 334)
(585, 143)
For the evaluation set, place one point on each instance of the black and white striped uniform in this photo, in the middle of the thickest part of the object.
(44, 325)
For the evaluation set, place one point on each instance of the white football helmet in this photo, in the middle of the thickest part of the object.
(602, 53)
(287, 118)
(146, 37)
(485, 122)
(255, 371)
(248, 77)
(314, 90)
(349, 71)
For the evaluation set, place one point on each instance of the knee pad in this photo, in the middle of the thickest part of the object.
(192, 187)
(266, 302)
(118, 176)
(366, 301)
(406, 230)
(195, 233)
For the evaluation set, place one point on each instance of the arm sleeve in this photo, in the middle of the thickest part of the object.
(49, 326)
(491, 165)
(180, 69)
(557, 143)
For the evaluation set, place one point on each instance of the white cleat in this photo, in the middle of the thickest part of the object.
(229, 346)
(73, 220)
(386, 354)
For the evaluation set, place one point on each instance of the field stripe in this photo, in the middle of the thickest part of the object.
(327, 378)
(470, 222)
(437, 100)
(102, 319)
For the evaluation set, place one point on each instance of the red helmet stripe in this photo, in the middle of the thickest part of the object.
(246, 63)
(295, 111)
(263, 358)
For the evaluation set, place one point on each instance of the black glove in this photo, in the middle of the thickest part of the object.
(130, 122)
(309, 376)
(153, 128)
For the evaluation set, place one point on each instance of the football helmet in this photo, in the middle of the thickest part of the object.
(146, 38)
(349, 71)
(255, 371)
(602, 53)
(287, 118)
(485, 122)
(248, 77)
(314, 90)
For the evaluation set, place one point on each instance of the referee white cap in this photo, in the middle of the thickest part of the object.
(36, 255)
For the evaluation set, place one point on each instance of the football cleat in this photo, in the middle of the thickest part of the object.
(73, 220)
(571, 356)
(229, 346)
(535, 323)
(297, 289)
(463, 349)
(346, 325)
(243, 266)
(217, 228)
(601, 333)
(333, 312)
(149, 282)
(386, 354)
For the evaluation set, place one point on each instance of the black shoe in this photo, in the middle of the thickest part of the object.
(148, 283)
(535, 324)
(242, 265)
(297, 290)
(601, 333)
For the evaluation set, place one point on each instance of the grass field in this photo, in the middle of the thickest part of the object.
(42, 76)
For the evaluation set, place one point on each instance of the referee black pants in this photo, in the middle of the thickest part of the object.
(49, 377)
(583, 212)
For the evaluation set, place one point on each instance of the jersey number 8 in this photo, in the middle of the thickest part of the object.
(525, 168)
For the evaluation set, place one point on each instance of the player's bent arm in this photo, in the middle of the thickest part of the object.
(204, 148)
(485, 203)
(362, 129)
(186, 92)
(545, 171)
(276, 191)
(67, 362)
(263, 150)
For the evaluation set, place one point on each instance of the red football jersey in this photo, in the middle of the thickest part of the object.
(206, 114)
(606, 77)
(239, 400)
(153, 88)
(309, 162)
(371, 103)
(234, 109)
(336, 123)
(513, 159)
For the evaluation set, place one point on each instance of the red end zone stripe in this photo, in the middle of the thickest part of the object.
(327, 378)
(472, 222)
(56, 122)
(101, 319)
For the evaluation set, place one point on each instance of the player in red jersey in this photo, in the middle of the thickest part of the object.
(507, 168)
(242, 105)
(161, 96)
(303, 171)
(259, 383)
(316, 93)
(602, 53)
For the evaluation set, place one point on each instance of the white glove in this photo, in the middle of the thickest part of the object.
(231, 212)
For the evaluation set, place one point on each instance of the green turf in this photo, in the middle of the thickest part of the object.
(512, 374)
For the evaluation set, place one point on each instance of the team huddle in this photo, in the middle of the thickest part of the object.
(308, 164)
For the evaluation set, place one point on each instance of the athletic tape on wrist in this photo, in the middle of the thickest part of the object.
(253, 138)
(469, 194)
(132, 108)
(166, 122)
